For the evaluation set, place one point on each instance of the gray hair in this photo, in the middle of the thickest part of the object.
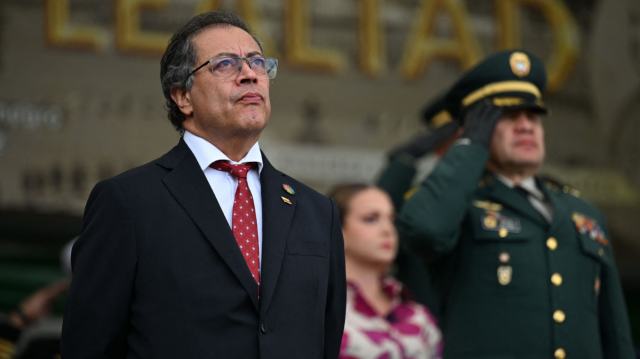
(180, 57)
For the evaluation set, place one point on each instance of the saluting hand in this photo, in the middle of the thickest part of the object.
(425, 143)
(480, 121)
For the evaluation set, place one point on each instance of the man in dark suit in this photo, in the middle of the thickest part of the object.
(208, 251)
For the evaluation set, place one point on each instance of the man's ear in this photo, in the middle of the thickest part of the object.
(182, 98)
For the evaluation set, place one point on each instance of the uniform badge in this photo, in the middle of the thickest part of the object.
(490, 222)
(288, 189)
(520, 64)
(590, 227)
(488, 206)
(504, 274)
(496, 221)
(285, 200)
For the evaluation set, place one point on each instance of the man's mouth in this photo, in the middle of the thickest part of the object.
(526, 143)
(251, 97)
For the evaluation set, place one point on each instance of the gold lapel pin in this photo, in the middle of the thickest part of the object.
(285, 200)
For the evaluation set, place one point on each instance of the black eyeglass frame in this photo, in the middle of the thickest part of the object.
(241, 64)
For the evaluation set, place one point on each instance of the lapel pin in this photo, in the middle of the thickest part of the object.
(288, 189)
(285, 200)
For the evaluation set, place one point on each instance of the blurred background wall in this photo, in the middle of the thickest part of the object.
(80, 100)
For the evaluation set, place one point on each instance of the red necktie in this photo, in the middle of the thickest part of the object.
(244, 224)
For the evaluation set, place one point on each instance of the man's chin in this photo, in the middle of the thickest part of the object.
(526, 162)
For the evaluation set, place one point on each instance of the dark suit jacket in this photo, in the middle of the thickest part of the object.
(157, 272)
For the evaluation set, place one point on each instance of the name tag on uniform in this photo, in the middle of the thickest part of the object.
(496, 221)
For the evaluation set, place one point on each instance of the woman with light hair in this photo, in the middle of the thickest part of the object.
(382, 320)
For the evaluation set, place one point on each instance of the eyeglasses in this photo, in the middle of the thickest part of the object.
(225, 67)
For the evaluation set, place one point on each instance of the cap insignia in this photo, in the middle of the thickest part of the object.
(520, 64)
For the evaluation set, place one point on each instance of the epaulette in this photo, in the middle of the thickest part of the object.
(572, 191)
(566, 189)
(485, 181)
(552, 186)
(411, 192)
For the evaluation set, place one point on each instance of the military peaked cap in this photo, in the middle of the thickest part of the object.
(435, 114)
(514, 79)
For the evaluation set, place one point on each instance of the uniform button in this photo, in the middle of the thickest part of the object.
(560, 354)
(556, 279)
(552, 243)
(601, 252)
(559, 316)
(263, 328)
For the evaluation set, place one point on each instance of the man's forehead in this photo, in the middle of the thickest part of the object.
(224, 39)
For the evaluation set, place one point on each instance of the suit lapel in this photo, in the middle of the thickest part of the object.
(276, 222)
(516, 202)
(191, 189)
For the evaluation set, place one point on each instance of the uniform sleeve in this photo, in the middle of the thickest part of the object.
(614, 320)
(8, 338)
(337, 292)
(396, 180)
(96, 313)
(430, 220)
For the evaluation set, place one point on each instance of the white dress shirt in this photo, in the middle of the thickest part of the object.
(536, 197)
(222, 183)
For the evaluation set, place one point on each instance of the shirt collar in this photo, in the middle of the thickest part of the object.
(206, 153)
(528, 184)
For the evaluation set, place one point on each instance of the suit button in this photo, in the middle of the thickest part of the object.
(552, 243)
(560, 354)
(263, 328)
(556, 279)
(559, 316)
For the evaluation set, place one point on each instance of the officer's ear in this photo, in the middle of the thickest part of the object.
(182, 97)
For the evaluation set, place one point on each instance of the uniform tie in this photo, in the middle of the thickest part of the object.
(243, 223)
(522, 191)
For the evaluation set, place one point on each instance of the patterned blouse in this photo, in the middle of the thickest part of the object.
(409, 332)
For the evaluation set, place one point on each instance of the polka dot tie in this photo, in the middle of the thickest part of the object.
(244, 224)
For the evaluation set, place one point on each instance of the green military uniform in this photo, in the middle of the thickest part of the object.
(396, 180)
(513, 284)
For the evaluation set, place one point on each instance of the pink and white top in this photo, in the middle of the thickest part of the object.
(409, 331)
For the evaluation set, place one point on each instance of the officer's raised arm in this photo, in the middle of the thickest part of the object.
(430, 220)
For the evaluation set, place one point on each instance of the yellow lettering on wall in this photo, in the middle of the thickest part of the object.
(206, 6)
(423, 47)
(565, 35)
(60, 32)
(252, 14)
(130, 36)
(297, 49)
(371, 38)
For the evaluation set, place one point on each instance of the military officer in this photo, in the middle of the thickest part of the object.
(526, 267)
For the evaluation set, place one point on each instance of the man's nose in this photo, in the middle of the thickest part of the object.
(523, 123)
(246, 75)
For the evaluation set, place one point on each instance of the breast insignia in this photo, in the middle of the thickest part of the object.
(496, 221)
(489, 206)
(504, 274)
(590, 227)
